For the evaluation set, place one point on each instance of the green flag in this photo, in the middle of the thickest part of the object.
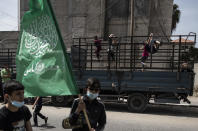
(42, 64)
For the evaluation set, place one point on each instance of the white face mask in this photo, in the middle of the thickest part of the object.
(92, 96)
(17, 103)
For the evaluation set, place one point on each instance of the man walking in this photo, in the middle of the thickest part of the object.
(38, 104)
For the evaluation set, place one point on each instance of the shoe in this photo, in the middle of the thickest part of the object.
(142, 63)
(3, 103)
(35, 125)
(46, 118)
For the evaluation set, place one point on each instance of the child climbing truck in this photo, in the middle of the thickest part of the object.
(145, 54)
(97, 44)
(154, 46)
(111, 49)
(150, 46)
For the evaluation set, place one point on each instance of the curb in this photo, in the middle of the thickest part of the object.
(178, 107)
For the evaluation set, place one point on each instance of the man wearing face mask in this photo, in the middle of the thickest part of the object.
(14, 116)
(95, 109)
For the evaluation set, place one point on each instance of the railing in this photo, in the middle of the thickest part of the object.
(169, 57)
(7, 57)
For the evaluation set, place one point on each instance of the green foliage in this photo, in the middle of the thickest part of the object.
(175, 17)
(190, 55)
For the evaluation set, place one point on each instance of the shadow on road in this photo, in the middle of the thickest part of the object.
(169, 110)
(46, 127)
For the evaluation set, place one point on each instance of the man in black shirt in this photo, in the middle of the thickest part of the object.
(95, 109)
(14, 116)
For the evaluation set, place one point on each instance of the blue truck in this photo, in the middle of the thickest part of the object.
(168, 76)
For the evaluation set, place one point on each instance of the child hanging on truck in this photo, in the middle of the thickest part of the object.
(111, 49)
(97, 44)
(150, 46)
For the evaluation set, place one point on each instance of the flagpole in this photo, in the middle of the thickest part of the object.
(85, 114)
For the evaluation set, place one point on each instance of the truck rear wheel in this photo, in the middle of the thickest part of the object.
(137, 102)
(62, 100)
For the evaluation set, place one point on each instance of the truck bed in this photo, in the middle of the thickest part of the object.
(151, 81)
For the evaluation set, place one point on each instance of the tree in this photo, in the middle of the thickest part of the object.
(175, 17)
(191, 55)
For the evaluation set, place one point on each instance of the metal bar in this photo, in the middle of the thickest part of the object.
(151, 44)
(179, 57)
(11, 63)
(134, 55)
(124, 55)
(79, 46)
(117, 56)
(8, 58)
(173, 57)
(131, 53)
(86, 46)
(91, 55)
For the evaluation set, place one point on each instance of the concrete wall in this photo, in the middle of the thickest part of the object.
(116, 19)
(196, 75)
(84, 18)
(8, 39)
(79, 18)
(87, 18)
(141, 16)
(160, 17)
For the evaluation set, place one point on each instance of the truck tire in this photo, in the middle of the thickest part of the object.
(137, 102)
(62, 100)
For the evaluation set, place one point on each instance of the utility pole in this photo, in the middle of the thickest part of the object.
(132, 17)
(19, 17)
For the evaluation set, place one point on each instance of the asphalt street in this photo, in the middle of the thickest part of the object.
(155, 118)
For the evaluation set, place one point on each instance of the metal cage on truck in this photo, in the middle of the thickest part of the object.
(122, 79)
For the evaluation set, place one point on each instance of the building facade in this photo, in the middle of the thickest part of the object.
(87, 18)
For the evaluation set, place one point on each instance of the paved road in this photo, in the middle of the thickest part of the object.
(155, 118)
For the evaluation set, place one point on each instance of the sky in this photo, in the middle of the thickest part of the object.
(8, 15)
(189, 17)
(188, 20)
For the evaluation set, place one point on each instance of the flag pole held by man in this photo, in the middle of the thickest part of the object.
(43, 65)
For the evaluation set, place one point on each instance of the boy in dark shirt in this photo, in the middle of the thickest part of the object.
(14, 116)
(95, 109)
